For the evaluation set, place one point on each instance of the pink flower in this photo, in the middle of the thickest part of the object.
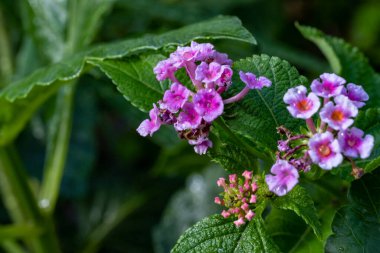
(201, 145)
(164, 70)
(353, 144)
(175, 98)
(300, 105)
(188, 118)
(149, 126)
(209, 104)
(356, 94)
(284, 179)
(221, 58)
(324, 150)
(339, 116)
(253, 82)
(330, 85)
(213, 73)
(204, 50)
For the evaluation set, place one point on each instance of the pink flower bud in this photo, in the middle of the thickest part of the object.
(226, 214)
(250, 215)
(239, 222)
(217, 201)
(221, 182)
(253, 199)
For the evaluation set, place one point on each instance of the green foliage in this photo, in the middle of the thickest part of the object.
(257, 116)
(135, 79)
(19, 100)
(299, 201)
(356, 226)
(216, 234)
(347, 61)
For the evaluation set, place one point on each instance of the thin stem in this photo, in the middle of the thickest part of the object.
(310, 125)
(6, 65)
(21, 204)
(238, 96)
(59, 137)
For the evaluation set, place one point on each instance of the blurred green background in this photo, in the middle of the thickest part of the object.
(125, 193)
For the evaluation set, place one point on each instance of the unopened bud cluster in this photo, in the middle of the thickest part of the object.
(239, 197)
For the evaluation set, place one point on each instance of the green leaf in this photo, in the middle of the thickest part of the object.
(47, 22)
(19, 100)
(135, 79)
(261, 111)
(299, 201)
(346, 61)
(216, 234)
(85, 17)
(356, 226)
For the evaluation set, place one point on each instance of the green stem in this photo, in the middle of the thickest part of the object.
(98, 235)
(257, 153)
(21, 204)
(6, 68)
(11, 232)
(59, 137)
(12, 246)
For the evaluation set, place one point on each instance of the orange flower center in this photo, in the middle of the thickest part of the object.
(304, 105)
(324, 150)
(337, 115)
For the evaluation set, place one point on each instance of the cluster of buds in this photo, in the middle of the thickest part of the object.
(191, 110)
(238, 196)
(328, 143)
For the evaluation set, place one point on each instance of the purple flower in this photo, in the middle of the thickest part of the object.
(353, 144)
(330, 85)
(175, 98)
(324, 150)
(339, 116)
(300, 105)
(253, 82)
(201, 145)
(150, 126)
(188, 118)
(213, 73)
(204, 50)
(284, 179)
(164, 70)
(356, 94)
(209, 104)
(221, 58)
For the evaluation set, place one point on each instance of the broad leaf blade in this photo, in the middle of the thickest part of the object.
(216, 234)
(261, 111)
(299, 201)
(47, 20)
(26, 95)
(356, 227)
(135, 79)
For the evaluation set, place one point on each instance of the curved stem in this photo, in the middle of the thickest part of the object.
(238, 96)
(59, 137)
(311, 126)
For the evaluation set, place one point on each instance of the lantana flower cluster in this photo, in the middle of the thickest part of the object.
(239, 197)
(328, 144)
(191, 110)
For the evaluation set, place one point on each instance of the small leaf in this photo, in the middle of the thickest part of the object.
(216, 234)
(356, 226)
(346, 61)
(261, 111)
(299, 201)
